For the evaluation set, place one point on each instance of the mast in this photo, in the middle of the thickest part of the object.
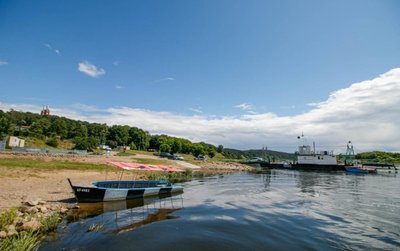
(314, 147)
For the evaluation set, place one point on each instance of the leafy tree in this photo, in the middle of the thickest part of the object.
(165, 148)
(77, 129)
(93, 142)
(187, 146)
(41, 127)
(6, 127)
(198, 149)
(119, 134)
(112, 144)
(98, 131)
(81, 143)
(211, 152)
(139, 137)
(59, 126)
(176, 146)
(153, 142)
(220, 148)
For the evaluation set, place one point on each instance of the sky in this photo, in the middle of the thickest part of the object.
(245, 74)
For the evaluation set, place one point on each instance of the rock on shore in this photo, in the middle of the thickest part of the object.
(31, 217)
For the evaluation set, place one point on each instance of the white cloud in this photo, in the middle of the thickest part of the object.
(116, 63)
(118, 87)
(90, 69)
(367, 113)
(246, 107)
(57, 51)
(196, 110)
(3, 62)
(163, 79)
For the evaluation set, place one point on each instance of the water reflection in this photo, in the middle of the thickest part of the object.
(87, 210)
(111, 218)
(160, 215)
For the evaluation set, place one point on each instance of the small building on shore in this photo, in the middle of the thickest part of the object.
(123, 148)
(22, 128)
(15, 142)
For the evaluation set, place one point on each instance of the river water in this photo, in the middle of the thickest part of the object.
(279, 210)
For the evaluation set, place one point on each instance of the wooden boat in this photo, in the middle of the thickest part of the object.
(122, 189)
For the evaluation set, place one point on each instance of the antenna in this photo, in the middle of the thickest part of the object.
(302, 137)
(350, 149)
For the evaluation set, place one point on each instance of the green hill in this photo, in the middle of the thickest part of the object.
(267, 155)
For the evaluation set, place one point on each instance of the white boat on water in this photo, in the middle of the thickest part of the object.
(308, 159)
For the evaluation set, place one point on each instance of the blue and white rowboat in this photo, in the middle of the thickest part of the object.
(122, 190)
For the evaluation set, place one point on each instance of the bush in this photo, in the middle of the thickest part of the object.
(133, 146)
(53, 142)
(188, 173)
(165, 148)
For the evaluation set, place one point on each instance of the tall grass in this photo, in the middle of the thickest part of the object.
(172, 177)
(153, 161)
(50, 223)
(25, 241)
(7, 217)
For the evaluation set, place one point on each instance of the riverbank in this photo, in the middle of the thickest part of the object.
(36, 195)
(38, 177)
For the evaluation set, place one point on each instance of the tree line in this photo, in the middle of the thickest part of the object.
(379, 157)
(88, 136)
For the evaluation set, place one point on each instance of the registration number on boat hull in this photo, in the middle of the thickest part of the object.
(84, 190)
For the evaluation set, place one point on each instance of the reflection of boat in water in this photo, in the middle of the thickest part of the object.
(160, 215)
(121, 216)
(122, 189)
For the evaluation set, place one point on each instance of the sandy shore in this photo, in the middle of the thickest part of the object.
(19, 184)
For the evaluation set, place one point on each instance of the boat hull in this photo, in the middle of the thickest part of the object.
(360, 170)
(92, 193)
(317, 167)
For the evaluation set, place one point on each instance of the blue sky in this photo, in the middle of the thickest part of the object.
(208, 59)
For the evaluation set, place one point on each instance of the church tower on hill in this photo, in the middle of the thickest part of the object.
(45, 111)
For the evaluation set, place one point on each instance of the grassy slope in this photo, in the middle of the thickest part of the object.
(51, 165)
(39, 143)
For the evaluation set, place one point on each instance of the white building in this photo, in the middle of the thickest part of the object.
(15, 142)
